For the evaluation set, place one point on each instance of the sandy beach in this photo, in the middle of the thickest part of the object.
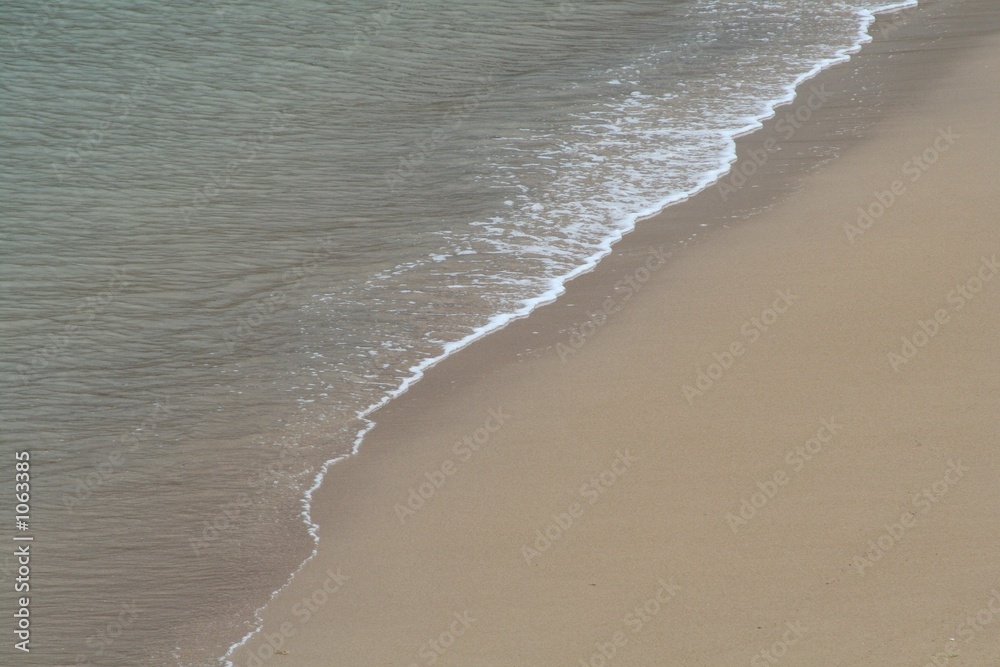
(763, 431)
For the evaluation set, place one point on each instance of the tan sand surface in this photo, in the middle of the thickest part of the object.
(811, 500)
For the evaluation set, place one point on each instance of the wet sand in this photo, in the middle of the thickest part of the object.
(762, 432)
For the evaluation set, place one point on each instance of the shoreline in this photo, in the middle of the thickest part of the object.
(472, 371)
(710, 180)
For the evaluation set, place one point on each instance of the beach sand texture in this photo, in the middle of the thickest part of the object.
(772, 443)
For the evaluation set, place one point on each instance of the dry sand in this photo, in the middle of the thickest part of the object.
(811, 501)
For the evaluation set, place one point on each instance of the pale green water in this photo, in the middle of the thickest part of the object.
(227, 228)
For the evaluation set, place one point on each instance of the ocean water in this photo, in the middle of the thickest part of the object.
(231, 229)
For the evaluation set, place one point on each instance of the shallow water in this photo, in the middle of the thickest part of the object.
(230, 228)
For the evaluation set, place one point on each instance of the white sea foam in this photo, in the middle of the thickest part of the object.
(617, 216)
